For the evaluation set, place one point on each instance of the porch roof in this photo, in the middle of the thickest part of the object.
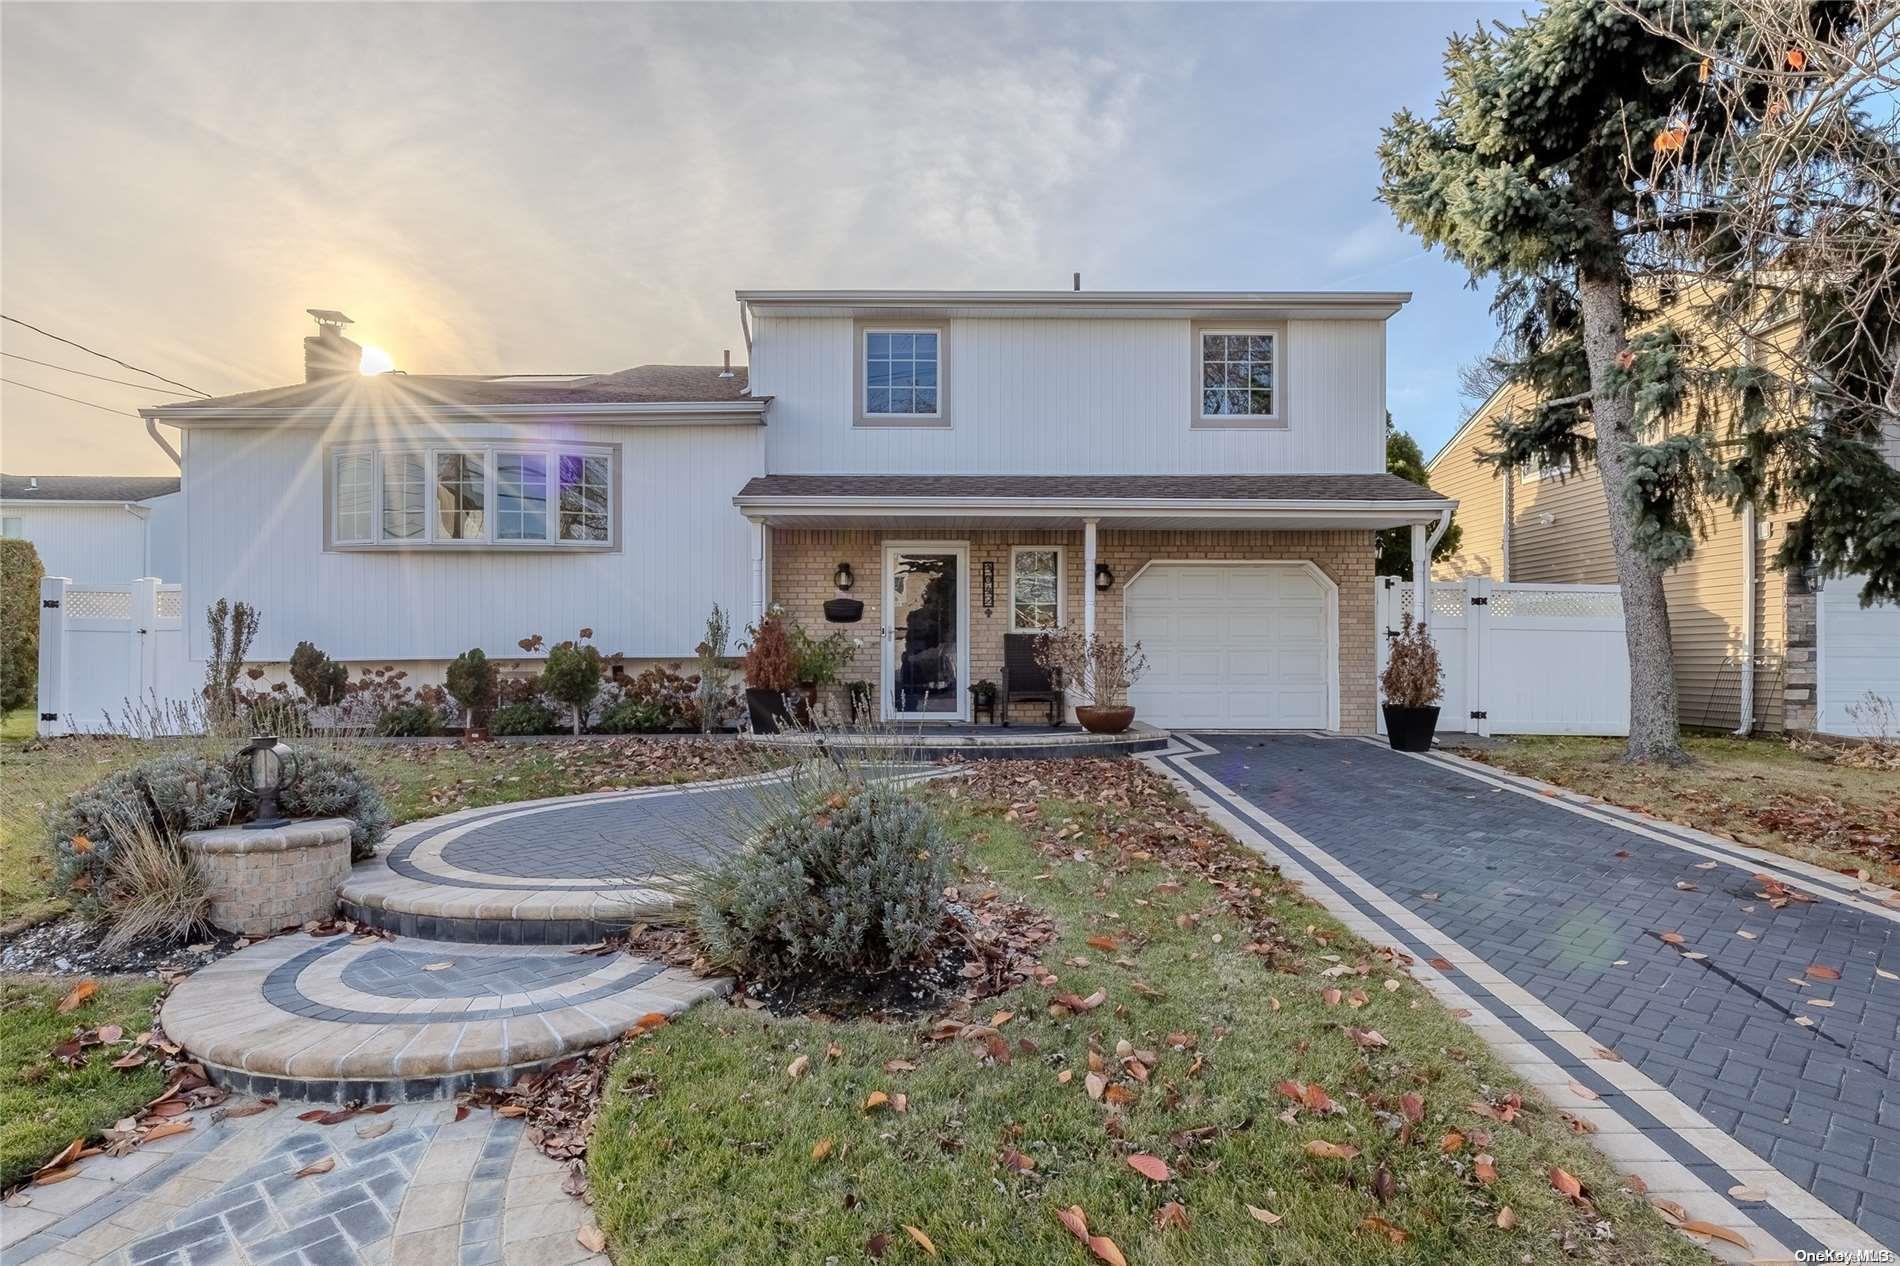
(1143, 502)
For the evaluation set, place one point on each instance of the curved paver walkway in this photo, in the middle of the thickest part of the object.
(342, 1018)
(563, 871)
(425, 1190)
(1552, 907)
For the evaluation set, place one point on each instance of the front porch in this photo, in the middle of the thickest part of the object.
(1255, 605)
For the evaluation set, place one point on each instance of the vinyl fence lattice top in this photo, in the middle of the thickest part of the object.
(171, 604)
(98, 604)
(1556, 604)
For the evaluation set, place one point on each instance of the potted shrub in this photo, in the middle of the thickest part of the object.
(1102, 668)
(820, 661)
(1413, 683)
(771, 672)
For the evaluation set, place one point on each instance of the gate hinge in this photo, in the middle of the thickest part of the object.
(49, 716)
(1481, 602)
(50, 603)
(1481, 716)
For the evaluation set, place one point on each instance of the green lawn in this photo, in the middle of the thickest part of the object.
(1759, 791)
(18, 725)
(704, 1151)
(44, 1105)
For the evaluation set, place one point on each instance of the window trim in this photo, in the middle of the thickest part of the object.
(1062, 584)
(861, 330)
(1529, 474)
(333, 508)
(1275, 421)
(487, 450)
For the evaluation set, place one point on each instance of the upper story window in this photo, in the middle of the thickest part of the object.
(458, 495)
(1238, 375)
(1035, 588)
(1563, 468)
(13, 527)
(901, 375)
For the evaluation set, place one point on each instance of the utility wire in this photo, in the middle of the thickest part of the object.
(68, 369)
(103, 408)
(114, 359)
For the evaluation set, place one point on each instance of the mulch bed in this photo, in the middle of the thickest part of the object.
(71, 946)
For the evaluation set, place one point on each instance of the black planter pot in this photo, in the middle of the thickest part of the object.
(1410, 729)
(768, 710)
(843, 610)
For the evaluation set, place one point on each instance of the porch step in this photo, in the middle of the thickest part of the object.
(990, 742)
(339, 1019)
(378, 897)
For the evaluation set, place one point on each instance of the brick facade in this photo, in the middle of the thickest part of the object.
(805, 560)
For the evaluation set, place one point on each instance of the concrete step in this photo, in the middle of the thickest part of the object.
(340, 1018)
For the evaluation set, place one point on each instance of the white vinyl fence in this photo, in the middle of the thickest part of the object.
(108, 650)
(1521, 659)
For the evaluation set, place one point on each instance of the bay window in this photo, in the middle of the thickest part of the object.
(468, 494)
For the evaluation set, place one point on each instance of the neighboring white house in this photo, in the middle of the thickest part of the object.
(97, 528)
(1204, 469)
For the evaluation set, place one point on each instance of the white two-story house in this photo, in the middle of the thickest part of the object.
(1202, 472)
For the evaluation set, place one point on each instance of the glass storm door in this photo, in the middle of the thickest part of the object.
(926, 656)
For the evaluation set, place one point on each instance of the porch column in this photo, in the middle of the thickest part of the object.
(1088, 577)
(1421, 575)
(758, 571)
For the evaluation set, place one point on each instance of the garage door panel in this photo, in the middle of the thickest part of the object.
(1243, 646)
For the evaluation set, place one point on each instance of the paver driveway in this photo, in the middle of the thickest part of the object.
(1570, 904)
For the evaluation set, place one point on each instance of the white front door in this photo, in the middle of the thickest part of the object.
(1235, 646)
(927, 632)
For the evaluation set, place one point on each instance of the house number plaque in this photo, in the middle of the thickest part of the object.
(989, 588)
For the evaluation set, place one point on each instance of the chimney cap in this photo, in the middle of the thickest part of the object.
(329, 316)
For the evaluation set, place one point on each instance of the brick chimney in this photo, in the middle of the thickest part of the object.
(328, 354)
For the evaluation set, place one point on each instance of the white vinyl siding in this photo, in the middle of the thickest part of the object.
(678, 547)
(1061, 395)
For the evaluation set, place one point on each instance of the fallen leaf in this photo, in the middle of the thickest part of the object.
(1452, 1142)
(1104, 1248)
(1073, 1218)
(374, 1129)
(1172, 1216)
(1714, 1232)
(1506, 1220)
(1104, 943)
(797, 1067)
(1819, 971)
(1263, 1215)
(316, 1167)
(875, 1100)
(821, 1149)
(1015, 1160)
(899, 1066)
(875, 1246)
(437, 966)
(591, 1238)
(1673, 938)
(1743, 1192)
(1582, 1091)
(1095, 1084)
(1373, 1222)
(1326, 1149)
(1566, 1183)
(1153, 1168)
(1485, 1166)
(77, 995)
(923, 1241)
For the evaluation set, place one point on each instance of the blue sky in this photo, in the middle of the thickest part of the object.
(503, 188)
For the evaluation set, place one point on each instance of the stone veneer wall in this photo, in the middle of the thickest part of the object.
(1800, 683)
(803, 562)
(265, 879)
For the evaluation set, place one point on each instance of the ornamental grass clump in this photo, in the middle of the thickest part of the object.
(852, 883)
(152, 889)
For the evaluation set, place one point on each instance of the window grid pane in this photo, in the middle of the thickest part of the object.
(460, 489)
(405, 492)
(583, 498)
(900, 373)
(1237, 375)
(521, 497)
(353, 496)
(1034, 601)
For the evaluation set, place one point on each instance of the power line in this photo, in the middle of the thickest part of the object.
(103, 408)
(68, 369)
(101, 355)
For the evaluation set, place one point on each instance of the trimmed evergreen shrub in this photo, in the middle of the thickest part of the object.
(855, 886)
(20, 575)
(472, 679)
(572, 676)
(633, 716)
(321, 678)
(526, 716)
(409, 720)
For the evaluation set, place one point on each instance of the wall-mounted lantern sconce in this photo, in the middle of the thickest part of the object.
(1104, 578)
(843, 577)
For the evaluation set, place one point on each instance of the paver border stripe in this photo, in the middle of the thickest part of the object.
(1793, 1214)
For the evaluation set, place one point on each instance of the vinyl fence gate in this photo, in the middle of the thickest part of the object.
(1518, 658)
(109, 653)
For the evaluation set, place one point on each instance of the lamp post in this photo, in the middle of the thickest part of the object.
(262, 767)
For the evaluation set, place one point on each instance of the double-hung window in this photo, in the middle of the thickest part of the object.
(456, 495)
(1035, 588)
(901, 375)
(1238, 376)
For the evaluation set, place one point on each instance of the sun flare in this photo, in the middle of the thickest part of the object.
(375, 360)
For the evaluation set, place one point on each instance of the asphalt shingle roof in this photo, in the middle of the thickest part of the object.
(1092, 487)
(85, 487)
(643, 384)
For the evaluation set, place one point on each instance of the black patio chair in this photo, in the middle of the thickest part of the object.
(1026, 681)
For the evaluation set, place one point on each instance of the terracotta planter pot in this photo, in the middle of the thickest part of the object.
(1104, 720)
(1410, 729)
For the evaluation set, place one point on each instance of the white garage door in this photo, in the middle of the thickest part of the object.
(1859, 654)
(1233, 645)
